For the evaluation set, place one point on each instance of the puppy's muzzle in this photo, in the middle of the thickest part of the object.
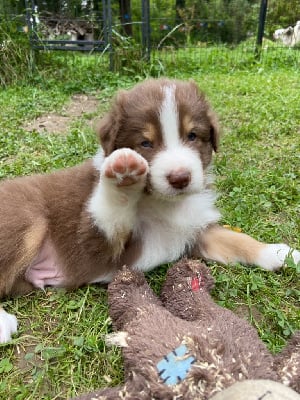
(179, 179)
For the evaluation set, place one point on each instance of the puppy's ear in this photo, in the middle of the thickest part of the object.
(107, 132)
(213, 120)
(110, 125)
(214, 130)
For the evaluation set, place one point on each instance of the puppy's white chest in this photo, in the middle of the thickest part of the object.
(168, 228)
(160, 244)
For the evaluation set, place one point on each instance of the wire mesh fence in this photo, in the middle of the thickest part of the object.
(132, 34)
(221, 33)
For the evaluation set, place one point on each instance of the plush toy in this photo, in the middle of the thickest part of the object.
(185, 346)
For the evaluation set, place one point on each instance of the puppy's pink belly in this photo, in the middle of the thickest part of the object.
(44, 270)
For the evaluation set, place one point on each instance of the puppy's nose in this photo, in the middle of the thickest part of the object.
(179, 179)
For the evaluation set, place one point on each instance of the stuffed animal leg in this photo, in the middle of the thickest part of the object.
(186, 346)
(186, 293)
(287, 363)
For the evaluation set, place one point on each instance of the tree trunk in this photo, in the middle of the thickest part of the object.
(179, 4)
(125, 16)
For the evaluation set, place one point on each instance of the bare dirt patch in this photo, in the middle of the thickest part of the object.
(59, 123)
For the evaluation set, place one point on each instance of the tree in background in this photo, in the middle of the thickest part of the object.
(226, 21)
(179, 7)
(125, 16)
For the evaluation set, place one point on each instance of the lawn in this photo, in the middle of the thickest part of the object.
(60, 350)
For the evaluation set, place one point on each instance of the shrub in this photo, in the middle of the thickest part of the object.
(15, 54)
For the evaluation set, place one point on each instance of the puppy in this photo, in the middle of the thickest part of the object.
(145, 199)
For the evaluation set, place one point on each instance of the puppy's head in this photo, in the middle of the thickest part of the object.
(170, 123)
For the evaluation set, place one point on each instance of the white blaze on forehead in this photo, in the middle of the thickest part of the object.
(169, 117)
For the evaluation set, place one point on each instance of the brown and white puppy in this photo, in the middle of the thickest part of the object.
(145, 199)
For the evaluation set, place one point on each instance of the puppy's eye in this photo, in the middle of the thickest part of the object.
(192, 136)
(147, 144)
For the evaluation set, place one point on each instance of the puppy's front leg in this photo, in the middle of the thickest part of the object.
(114, 201)
(227, 247)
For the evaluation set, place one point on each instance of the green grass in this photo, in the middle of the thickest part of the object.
(59, 350)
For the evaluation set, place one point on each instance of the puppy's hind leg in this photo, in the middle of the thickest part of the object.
(14, 260)
(8, 325)
(227, 247)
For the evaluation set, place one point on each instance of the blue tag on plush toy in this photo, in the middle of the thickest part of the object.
(174, 367)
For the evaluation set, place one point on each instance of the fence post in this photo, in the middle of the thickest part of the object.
(107, 24)
(261, 26)
(146, 34)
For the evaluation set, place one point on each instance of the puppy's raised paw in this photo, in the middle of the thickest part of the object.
(126, 167)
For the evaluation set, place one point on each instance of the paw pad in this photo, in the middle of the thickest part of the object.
(126, 166)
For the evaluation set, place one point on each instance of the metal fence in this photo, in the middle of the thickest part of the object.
(88, 31)
(204, 32)
(141, 30)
